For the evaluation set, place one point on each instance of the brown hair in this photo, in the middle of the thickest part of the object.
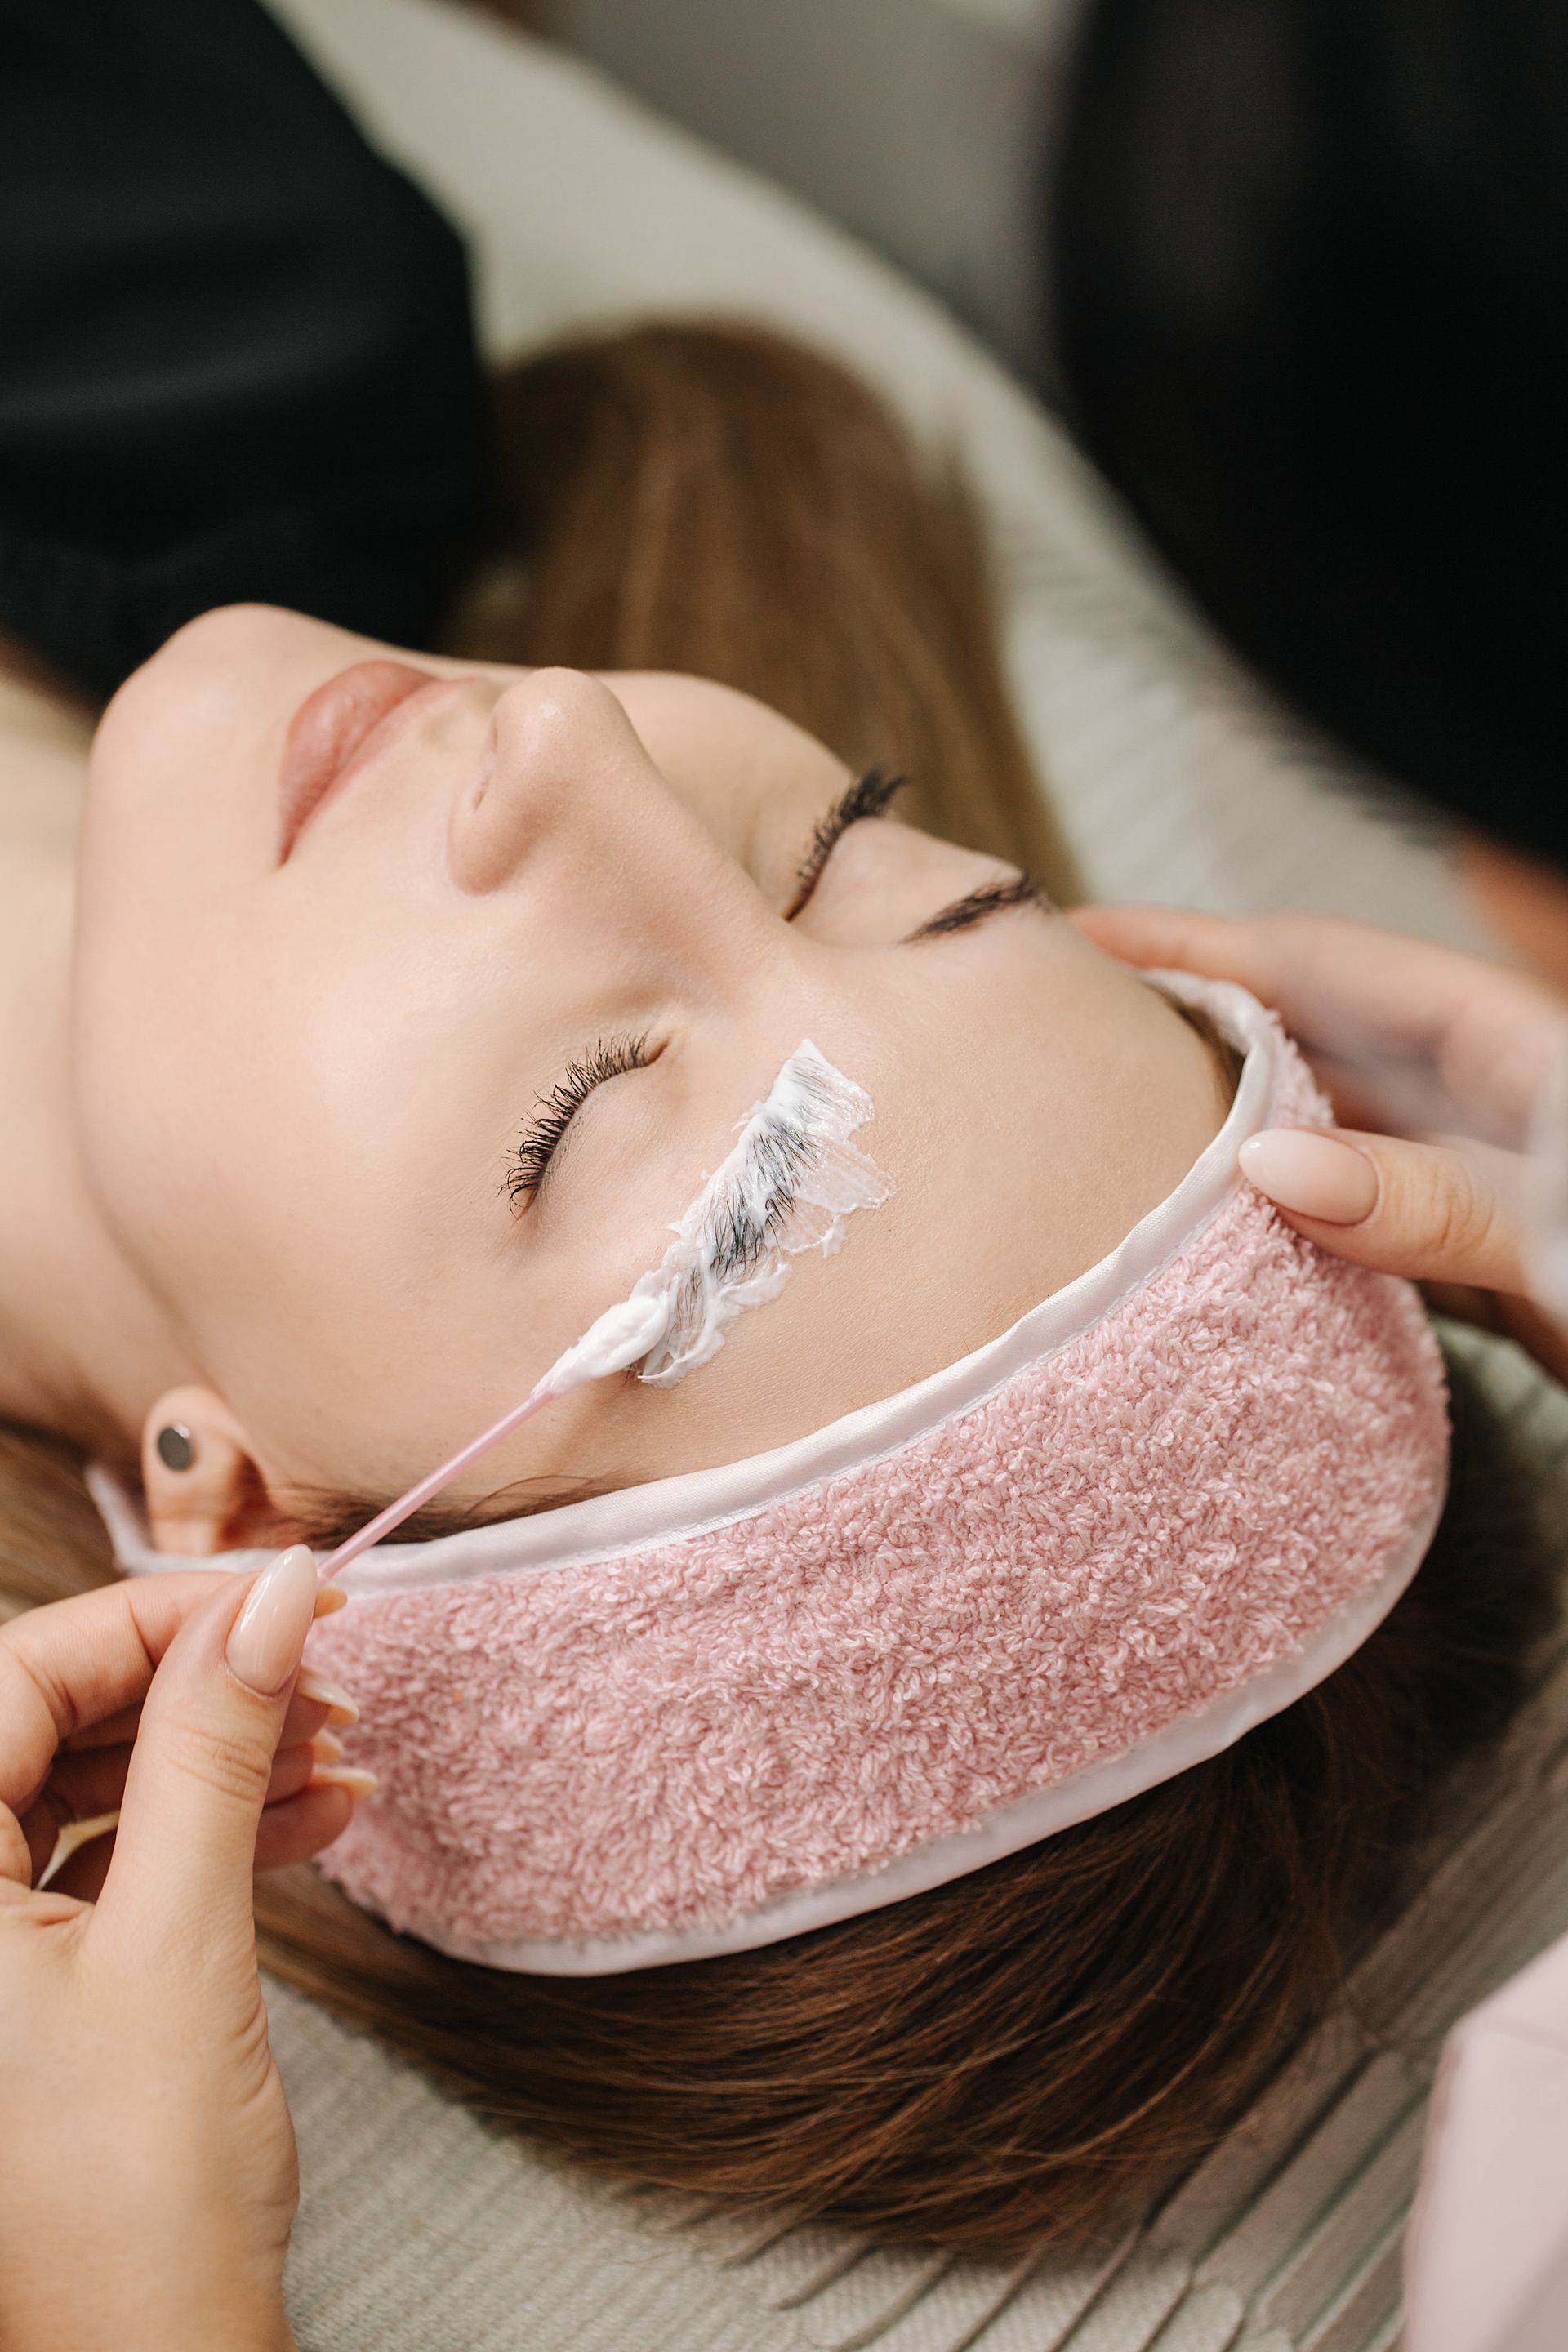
(1031, 2050)
(717, 499)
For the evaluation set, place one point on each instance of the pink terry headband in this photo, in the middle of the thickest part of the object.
(705, 1714)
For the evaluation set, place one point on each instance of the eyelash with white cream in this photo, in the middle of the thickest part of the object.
(787, 1185)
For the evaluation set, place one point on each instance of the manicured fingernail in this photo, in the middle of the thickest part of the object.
(326, 1747)
(329, 1599)
(345, 1775)
(1313, 1174)
(340, 1707)
(267, 1637)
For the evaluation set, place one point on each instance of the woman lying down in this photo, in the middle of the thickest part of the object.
(922, 1744)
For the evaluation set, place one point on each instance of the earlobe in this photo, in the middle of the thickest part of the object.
(204, 1492)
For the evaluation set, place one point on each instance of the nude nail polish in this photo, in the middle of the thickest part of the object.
(1312, 1175)
(267, 1637)
(340, 1706)
(358, 1783)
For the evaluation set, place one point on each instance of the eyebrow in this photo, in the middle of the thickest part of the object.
(979, 906)
(868, 799)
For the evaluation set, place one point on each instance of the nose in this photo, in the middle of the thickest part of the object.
(561, 752)
(568, 802)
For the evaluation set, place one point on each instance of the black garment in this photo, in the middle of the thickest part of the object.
(1310, 283)
(236, 359)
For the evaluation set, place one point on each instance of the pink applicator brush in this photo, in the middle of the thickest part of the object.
(787, 1185)
(622, 1336)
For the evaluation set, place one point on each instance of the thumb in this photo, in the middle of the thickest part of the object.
(1431, 1211)
(185, 1847)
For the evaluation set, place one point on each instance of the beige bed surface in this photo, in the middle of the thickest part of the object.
(420, 2229)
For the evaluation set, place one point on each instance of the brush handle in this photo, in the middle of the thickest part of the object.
(621, 1337)
(376, 1529)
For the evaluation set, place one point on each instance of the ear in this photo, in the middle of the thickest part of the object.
(218, 1501)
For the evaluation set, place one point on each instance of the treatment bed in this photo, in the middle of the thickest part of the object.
(422, 2229)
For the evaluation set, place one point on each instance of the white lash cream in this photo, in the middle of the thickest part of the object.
(789, 1183)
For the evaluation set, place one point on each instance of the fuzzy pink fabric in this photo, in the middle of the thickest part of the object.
(1155, 1513)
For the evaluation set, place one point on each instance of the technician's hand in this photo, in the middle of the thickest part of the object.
(147, 2165)
(1448, 1031)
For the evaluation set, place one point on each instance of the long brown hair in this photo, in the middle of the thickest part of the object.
(720, 500)
(1031, 2051)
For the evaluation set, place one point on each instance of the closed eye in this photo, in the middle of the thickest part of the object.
(554, 1113)
(991, 898)
(870, 796)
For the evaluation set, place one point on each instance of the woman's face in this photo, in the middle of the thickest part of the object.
(304, 1067)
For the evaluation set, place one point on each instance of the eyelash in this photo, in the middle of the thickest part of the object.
(869, 796)
(612, 1057)
(993, 895)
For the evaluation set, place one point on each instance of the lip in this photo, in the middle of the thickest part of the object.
(338, 729)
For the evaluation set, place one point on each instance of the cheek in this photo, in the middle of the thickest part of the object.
(168, 1125)
(182, 797)
(205, 1094)
(282, 1166)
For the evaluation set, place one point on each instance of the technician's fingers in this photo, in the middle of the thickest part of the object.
(83, 1788)
(302, 1825)
(1373, 1001)
(305, 1716)
(1430, 1212)
(294, 1827)
(1305, 965)
(199, 1771)
(72, 1663)
(1349, 1098)
(1177, 939)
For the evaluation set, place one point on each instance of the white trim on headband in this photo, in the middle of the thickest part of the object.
(577, 1534)
(1160, 1756)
